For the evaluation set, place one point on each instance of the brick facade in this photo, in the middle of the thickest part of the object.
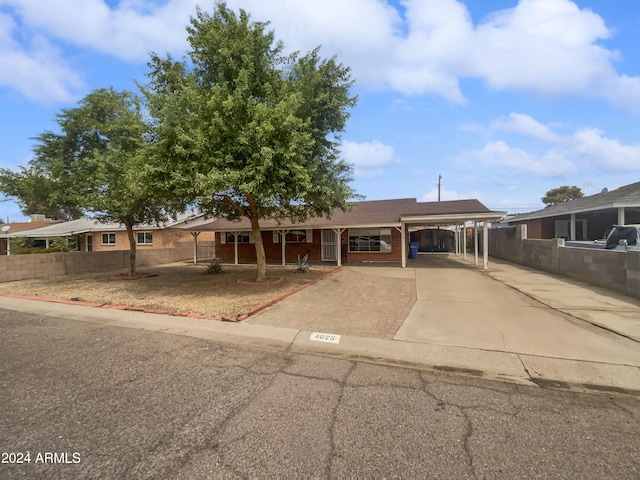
(273, 251)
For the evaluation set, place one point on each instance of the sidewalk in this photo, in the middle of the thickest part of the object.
(618, 369)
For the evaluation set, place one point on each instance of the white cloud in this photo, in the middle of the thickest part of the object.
(445, 194)
(600, 152)
(587, 148)
(127, 32)
(524, 124)
(37, 71)
(550, 47)
(546, 46)
(550, 164)
(368, 158)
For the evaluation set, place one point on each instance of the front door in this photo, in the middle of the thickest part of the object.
(329, 246)
(89, 243)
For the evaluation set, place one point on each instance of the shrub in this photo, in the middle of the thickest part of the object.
(214, 267)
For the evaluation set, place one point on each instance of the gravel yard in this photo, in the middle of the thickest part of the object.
(180, 287)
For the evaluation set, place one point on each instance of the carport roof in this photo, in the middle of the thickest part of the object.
(627, 196)
(372, 213)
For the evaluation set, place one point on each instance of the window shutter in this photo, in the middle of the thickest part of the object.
(276, 236)
(309, 236)
(223, 238)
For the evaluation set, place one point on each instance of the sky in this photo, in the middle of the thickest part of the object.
(503, 99)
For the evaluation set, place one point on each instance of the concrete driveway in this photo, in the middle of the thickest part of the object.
(443, 300)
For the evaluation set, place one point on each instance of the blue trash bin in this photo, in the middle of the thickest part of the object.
(413, 250)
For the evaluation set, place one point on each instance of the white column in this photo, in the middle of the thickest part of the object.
(338, 233)
(621, 220)
(283, 241)
(475, 242)
(195, 246)
(235, 247)
(572, 227)
(485, 245)
(403, 241)
(456, 242)
(464, 241)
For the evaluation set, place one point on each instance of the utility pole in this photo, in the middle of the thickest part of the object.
(439, 185)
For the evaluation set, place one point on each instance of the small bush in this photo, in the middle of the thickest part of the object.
(303, 265)
(214, 267)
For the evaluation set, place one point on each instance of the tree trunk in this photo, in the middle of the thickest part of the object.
(132, 248)
(261, 258)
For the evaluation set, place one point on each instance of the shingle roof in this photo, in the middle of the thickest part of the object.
(372, 212)
(627, 196)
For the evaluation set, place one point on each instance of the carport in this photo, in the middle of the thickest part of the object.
(460, 222)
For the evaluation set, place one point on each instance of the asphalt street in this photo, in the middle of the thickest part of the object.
(89, 400)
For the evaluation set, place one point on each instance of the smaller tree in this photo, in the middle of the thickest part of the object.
(95, 164)
(561, 195)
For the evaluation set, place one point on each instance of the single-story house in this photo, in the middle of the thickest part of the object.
(36, 221)
(587, 218)
(372, 231)
(93, 236)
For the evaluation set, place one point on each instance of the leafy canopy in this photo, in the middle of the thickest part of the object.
(561, 195)
(95, 164)
(246, 131)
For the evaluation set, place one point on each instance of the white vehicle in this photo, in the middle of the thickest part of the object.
(623, 237)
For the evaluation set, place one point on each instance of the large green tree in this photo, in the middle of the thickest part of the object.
(246, 131)
(36, 193)
(561, 194)
(96, 164)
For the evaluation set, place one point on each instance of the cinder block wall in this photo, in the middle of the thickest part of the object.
(615, 270)
(23, 267)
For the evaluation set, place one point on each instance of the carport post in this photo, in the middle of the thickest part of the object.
(338, 232)
(403, 248)
(456, 240)
(235, 247)
(195, 246)
(464, 241)
(485, 245)
(572, 227)
(475, 242)
(621, 220)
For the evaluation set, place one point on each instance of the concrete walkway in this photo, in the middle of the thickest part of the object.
(509, 323)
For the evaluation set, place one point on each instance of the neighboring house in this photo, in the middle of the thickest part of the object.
(37, 221)
(587, 218)
(373, 231)
(90, 235)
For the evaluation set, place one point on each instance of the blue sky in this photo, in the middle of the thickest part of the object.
(505, 99)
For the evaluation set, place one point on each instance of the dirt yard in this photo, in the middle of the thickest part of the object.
(177, 287)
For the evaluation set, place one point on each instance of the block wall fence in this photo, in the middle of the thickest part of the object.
(23, 267)
(618, 271)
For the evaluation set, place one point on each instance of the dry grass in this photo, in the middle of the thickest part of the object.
(180, 287)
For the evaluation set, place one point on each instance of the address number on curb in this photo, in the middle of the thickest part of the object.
(325, 337)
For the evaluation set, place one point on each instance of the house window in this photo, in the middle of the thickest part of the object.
(243, 237)
(108, 239)
(370, 240)
(145, 238)
(296, 236)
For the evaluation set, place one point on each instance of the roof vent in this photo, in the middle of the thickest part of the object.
(605, 190)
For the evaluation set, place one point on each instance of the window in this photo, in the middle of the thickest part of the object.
(145, 238)
(243, 237)
(369, 239)
(109, 239)
(296, 236)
